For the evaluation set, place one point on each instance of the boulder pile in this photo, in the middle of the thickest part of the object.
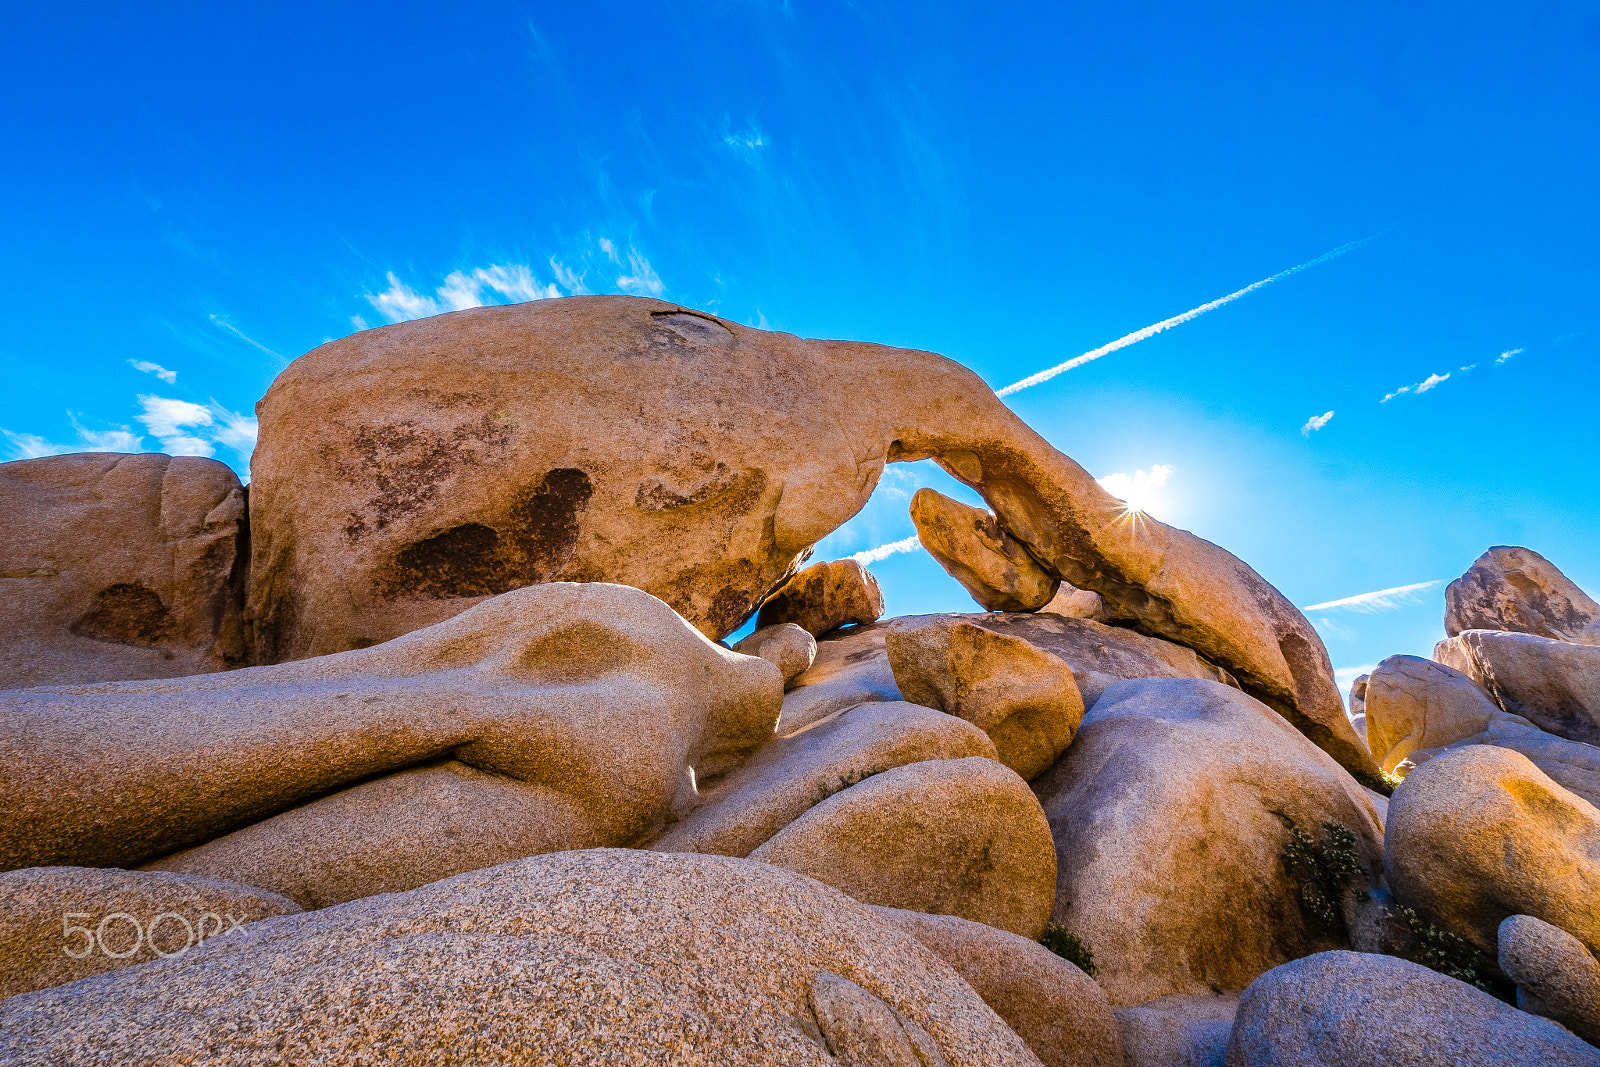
(431, 748)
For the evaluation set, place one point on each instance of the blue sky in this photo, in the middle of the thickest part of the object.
(196, 195)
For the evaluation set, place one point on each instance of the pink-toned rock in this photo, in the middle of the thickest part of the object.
(116, 566)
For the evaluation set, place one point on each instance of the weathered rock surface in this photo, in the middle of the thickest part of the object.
(1358, 1010)
(59, 924)
(1414, 703)
(1358, 710)
(1073, 603)
(989, 563)
(1052, 1005)
(1572, 764)
(1517, 589)
(1024, 698)
(582, 706)
(632, 441)
(117, 566)
(790, 648)
(580, 957)
(1178, 1031)
(825, 596)
(1553, 684)
(948, 837)
(1556, 976)
(788, 776)
(852, 667)
(1479, 833)
(1170, 814)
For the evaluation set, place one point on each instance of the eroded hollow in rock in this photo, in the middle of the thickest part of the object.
(125, 614)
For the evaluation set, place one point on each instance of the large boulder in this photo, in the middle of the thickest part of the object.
(851, 667)
(1358, 709)
(1073, 603)
(1572, 764)
(1052, 1005)
(1553, 684)
(1178, 1031)
(825, 596)
(1517, 589)
(788, 776)
(1358, 1010)
(1171, 812)
(602, 956)
(1556, 974)
(407, 472)
(989, 563)
(59, 924)
(572, 714)
(1024, 698)
(1413, 703)
(1479, 833)
(791, 649)
(949, 837)
(118, 566)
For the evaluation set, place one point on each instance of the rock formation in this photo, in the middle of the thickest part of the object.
(787, 646)
(1553, 684)
(851, 667)
(572, 713)
(971, 544)
(1519, 590)
(619, 439)
(1557, 976)
(115, 567)
(1416, 704)
(824, 597)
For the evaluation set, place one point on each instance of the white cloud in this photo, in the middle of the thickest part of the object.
(168, 376)
(883, 552)
(358, 322)
(1139, 490)
(573, 280)
(643, 280)
(32, 446)
(609, 249)
(514, 282)
(1345, 675)
(1502, 357)
(749, 140)
(238, 432)
(1176, 320)
(1315, 422)
(1378, 600)
(224, 324)
(1421, 387)
(173, 422)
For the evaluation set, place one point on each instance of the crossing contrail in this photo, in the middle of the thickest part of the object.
(1176, 320)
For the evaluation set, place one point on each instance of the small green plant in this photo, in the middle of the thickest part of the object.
(1380, 782)
(1070, 947)
(1327, 871)
(1444, 952)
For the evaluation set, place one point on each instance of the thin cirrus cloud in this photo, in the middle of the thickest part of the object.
(146, 367)
(1377, 600)
(1316, 422)
(1176, 320)
(32, 446)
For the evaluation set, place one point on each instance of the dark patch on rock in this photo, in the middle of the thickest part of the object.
(125, 614)
(409, 463)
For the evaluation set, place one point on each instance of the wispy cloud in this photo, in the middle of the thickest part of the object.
(1377, 600)
(643, 281)
(1176, 320)
(1433, 380)
(1507, 354)
(225, 325)
(185, 428)
(512, 282)
(883, 552)
(32, 446)
(168, 376)
(1316, 422)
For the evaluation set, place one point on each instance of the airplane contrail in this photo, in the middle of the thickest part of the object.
(1378, 600)
(1176, 320)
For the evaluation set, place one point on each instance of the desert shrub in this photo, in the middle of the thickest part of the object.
(1327, 870)
(1378, 781)
(1070, 947)
(1444, 952)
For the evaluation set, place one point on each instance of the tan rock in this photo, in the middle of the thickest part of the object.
(1070, 602)
(1359, 1010)
(1101, 655)
(824, 597)
(786, 646)
(1170, 814)
(1024, 698)
(634, 441)
(989, 563)
(1413, 703)
(59, 924)
(1358, 709)
(1553, 684)
(1479, 833)
(1052, 1005)
(604, 956)
(948, 837)
(1572, 764)
(1178, 1031)
(119, 566)
(852, 667)
(788, 776)
(1518, 589)
(1556, 976)
(860, 1030)
(576, 710)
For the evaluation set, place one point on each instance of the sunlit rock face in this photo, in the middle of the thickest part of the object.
(406, 473)
(1511, 588)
